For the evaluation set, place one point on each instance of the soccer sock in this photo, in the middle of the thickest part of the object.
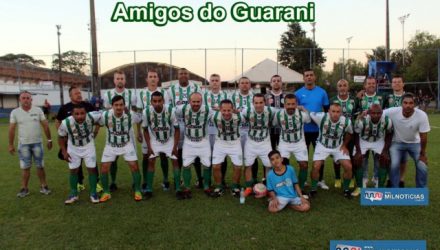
(206, 177)
(164, 167)
(104, 182)
(114, 170)
(235, 185)
(346, 184)
(358, 176)
(177, 179)
(93, 179)
(198, 169)
(223, 169)
(73, 180)
(337, 169)
(248, 184)
(150, 177)
(383, 172)
(145, 169)
(187, 177)
(314, 184)
(302, 177)
(136, 180)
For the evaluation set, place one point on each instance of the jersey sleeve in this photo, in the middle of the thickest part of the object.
(174, 119)
(349, 128)
(102, 120)
(41, 115)
(244, 114)
(62, 130)
(424, 123)
(317, 116)
(61, 113)
(106, 101)
(166, 98)
(306, 117)
(358, 126)
(325, 101)
(13, 118)
(136, 117)
(139, 101)
(178, 111)
(133, 100)
(144, 119)
(389, 124)
(275, 121)
(96, 116)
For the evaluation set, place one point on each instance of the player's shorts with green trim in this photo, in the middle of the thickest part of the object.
(224, 148)
(298, 149)
(321, 153)
(111, 152)
(376, 146)
(191, 150)
(254, 150)
(162, 147)
(87, 152)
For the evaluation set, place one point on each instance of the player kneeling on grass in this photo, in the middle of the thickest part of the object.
(334, 135)
(77, 130)
(282, 186)
(160, 126)
(119, 125)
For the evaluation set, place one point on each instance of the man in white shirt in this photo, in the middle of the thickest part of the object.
(411, 127)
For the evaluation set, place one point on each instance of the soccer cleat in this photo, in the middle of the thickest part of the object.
(105, 197)
(322, 185)
(23, 193)
(313, 194)
(113, 187)
(208, 192)
(94, 198)
(248, 191)
(144, 188)
(99, 188)
(187, 193)
(165, 186)
(147, 195)
(235, 192)
(180, 195)
(71, 199)
(217, 193)
(356, 192)
(352, 182)
(137, 196)
(45, 190)
(337, 183)
(347, 194)
(80, 187)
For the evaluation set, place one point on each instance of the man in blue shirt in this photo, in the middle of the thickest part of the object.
(314, 99)
(282, 186)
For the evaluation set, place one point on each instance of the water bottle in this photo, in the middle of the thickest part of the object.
(242, 198)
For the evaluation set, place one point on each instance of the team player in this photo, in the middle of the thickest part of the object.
(373, 132)
(196, 116)
(291, 120)
(335, 131)
(161, 132)
(227, 143)
(119, 125)
(78, 132)
(119, 79)
(259, 117)
(143, 101)
(275, 99)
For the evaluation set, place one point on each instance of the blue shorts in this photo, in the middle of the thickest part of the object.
(28, 151)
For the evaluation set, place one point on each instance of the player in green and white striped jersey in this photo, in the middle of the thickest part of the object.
(77, 131)
(119, 126)
(196, 117)
(258, 143)
(334, 134)
(228, 123)
(370, 96)
(373, 132)
(161, 132)
(143, 101)
(291, 120)
(129, 96)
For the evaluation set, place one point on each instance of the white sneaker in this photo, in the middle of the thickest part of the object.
(375, 180)
(322, 185)
(364, 182)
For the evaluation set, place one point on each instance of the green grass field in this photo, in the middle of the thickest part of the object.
(38, 221)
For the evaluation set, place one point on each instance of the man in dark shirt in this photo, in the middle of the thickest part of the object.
(275, 98)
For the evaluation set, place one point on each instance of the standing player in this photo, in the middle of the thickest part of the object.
(334, 134)
(161, 132)
(275, 99)
(373, 132)
(77, 131)
(129, 97)
(314, 99)
(195, 115)
(259, 117)
(227, 144)
(29, 119)
(349, 110)
(119, 124)
(143, 101)
(291, 120)
(212, 99)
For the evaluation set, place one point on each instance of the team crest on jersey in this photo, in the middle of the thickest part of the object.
(325, 127)
(283, 122)
(209, 100)
(391, 100)
(237, 100)
(177, 94)
(145, 98)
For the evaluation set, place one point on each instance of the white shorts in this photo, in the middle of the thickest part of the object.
(254, 150)
(166, 148)
(191, 150)
(243, 137)
(182, 134)
(144, 145)
(110, 153)
(298, 149)
(87, 152)
(321, 153)
(376, 146)
(227, 148)
(283, 202)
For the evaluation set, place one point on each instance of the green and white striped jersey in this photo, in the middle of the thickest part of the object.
(180, 95)
(349, 106)
(227, 130)
(79, 134)
(371, 132)
(144, 98)
(196, 123)
(331, 134)
(128, 95)
(366, 101)
(240, 101)
(393, 100)
(118, 129)
(160, 125)
(259, 123)
(213, 100)
(292, 126)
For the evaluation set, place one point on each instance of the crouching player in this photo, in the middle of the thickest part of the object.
(77, 131)
(282, 186)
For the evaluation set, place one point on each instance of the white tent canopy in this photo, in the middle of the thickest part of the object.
(264, 70)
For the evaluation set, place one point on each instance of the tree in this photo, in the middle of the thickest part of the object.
(347, 70)
(22, 58)
(72, 61)
(297, 50)
(396, 57)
